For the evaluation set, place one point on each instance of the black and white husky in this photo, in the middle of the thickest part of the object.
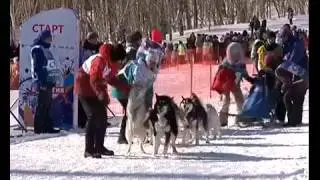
(163, 121)
(136, 117)
(201, 117)
(213, 121)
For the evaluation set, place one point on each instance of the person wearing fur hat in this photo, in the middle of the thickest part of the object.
(91, 85)
(294, 74)
(133, 43)
(234, 62)
(44, 74)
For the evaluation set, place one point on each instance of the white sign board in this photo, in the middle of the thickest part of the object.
(64, 27)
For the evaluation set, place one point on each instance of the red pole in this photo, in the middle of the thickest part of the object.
(191, 74)
(210, 66)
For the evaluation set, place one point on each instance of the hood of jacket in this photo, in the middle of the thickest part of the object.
(41, 37)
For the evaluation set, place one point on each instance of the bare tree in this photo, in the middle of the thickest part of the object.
(112, 19)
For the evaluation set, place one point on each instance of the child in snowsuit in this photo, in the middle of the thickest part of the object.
(234, 62)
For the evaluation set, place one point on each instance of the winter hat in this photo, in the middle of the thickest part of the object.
(156, 36)
(45, 34)
(235, 52)
(118, 52)
(92, 35)
(41, 37)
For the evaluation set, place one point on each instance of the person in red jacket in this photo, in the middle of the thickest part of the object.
(91, 85)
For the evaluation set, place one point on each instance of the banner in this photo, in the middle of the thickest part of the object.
(64, 27)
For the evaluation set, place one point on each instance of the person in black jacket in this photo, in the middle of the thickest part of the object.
(290, 15)
(44, 74)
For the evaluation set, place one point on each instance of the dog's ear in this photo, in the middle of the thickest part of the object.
(172, 98)
(183, 98)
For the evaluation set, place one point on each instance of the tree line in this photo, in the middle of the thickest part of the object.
(112, 19)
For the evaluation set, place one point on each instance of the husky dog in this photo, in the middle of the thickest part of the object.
(213, 121)
(183, 123)
(196, 115)
(141, 74)
(136, 117)
(164, 123)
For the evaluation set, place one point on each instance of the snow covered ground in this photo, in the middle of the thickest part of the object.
(248, 153)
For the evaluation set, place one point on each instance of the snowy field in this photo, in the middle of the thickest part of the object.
(247, 153)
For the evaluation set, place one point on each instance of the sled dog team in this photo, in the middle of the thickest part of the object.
(167, 120)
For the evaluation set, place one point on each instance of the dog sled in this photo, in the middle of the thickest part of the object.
(260, 104)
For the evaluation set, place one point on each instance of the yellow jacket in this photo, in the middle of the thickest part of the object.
(262, 52)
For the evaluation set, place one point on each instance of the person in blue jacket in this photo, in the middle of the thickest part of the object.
(44, 73)
(294, 74)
